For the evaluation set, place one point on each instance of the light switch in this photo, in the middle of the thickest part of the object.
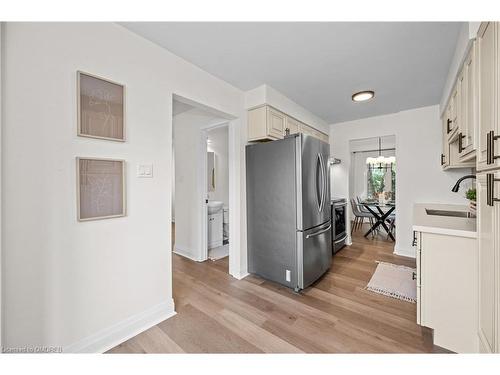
(145, 170)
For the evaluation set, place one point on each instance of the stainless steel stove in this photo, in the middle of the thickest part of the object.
(338, 214)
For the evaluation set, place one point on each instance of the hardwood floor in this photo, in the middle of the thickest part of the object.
(219, 314)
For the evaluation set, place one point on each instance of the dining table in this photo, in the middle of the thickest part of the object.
(380, 211)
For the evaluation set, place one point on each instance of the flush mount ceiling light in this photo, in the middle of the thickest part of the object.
(363, 96)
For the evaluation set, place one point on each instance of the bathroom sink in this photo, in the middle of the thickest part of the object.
(214, 207)
(465, 214)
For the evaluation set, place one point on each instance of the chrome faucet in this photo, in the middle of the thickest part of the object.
(457, 185)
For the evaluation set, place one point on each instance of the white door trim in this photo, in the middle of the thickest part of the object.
(1, 212)
(236, 246)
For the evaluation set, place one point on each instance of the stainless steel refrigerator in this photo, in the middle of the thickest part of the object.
(288, 210)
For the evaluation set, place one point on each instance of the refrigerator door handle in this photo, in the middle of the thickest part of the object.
(325, 181)
(319, 195)
(322, 169)
(319, 232)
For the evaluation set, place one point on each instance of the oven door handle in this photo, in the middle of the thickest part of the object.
(342, 239)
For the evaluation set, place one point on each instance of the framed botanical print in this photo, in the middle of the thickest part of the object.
(100, 188)
(101, 108)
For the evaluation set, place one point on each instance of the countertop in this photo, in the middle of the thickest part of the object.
(449, 225)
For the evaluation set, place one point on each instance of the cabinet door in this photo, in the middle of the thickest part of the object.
(445, 156)
(305, 129)
(275, 123)
(452, 125)
(469, 113)
(488, 267)
(292, 125)
(487, 51)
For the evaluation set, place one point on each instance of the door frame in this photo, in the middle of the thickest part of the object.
(203, 189)
(237, 265)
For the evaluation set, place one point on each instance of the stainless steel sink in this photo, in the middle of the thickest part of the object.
(465, 214)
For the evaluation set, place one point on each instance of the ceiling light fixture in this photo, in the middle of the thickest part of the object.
(363, 96)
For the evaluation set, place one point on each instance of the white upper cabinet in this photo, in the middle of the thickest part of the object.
(292, 125)
(468, 129)
(488, 96)
(268, 123)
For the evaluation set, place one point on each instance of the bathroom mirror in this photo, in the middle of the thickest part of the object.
(211, 170)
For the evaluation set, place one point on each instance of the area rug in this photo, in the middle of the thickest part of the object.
(394, 281)
(218, 252)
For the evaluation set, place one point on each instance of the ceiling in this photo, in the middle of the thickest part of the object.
(320, 65)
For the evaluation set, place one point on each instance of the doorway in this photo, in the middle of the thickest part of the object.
(217, 194)
(192, 125)
(372, 188)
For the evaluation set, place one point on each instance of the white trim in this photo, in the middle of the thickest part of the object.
(1, 213)
(203, 193)
(404, 253)
(184, 252)
(240, 276)
(116, 334)
(236, 218)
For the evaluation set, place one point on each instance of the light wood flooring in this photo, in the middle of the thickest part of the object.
(219, 314)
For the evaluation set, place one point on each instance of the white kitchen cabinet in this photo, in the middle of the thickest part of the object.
(447, 275)
(469, 103)
(447, 289)
(292, 125)
(488, 129)
(265, 123)
(215, 230)
(489, 260)
(268, 123)
(453, 113)
(445, 156)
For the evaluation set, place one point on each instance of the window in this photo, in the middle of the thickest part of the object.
(381, 179)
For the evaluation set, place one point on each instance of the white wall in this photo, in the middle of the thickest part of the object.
(189, 182)
(219, 145)
(265, 94)
(420, 178)
(89, 285)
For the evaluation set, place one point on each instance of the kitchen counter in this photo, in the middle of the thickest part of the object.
(448, 225)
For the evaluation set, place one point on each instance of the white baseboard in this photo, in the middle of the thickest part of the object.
(405, 252)
(348, 241)
(240, 276)
(109, 337)
(180, 250)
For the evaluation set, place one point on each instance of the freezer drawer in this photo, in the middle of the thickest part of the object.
(314, 252)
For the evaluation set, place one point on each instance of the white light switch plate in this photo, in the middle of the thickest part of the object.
(145, 170)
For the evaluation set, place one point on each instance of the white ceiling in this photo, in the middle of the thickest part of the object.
(320, 65)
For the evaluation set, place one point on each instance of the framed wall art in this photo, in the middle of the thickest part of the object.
(101, 108)
(100, 188)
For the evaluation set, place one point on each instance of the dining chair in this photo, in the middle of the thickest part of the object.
(359, 216)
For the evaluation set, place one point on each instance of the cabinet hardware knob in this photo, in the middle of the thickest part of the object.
(448, 130)
(442, 159)
(414, 276)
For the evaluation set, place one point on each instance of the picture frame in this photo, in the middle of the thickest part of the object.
(100, 108)
(101, 188)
